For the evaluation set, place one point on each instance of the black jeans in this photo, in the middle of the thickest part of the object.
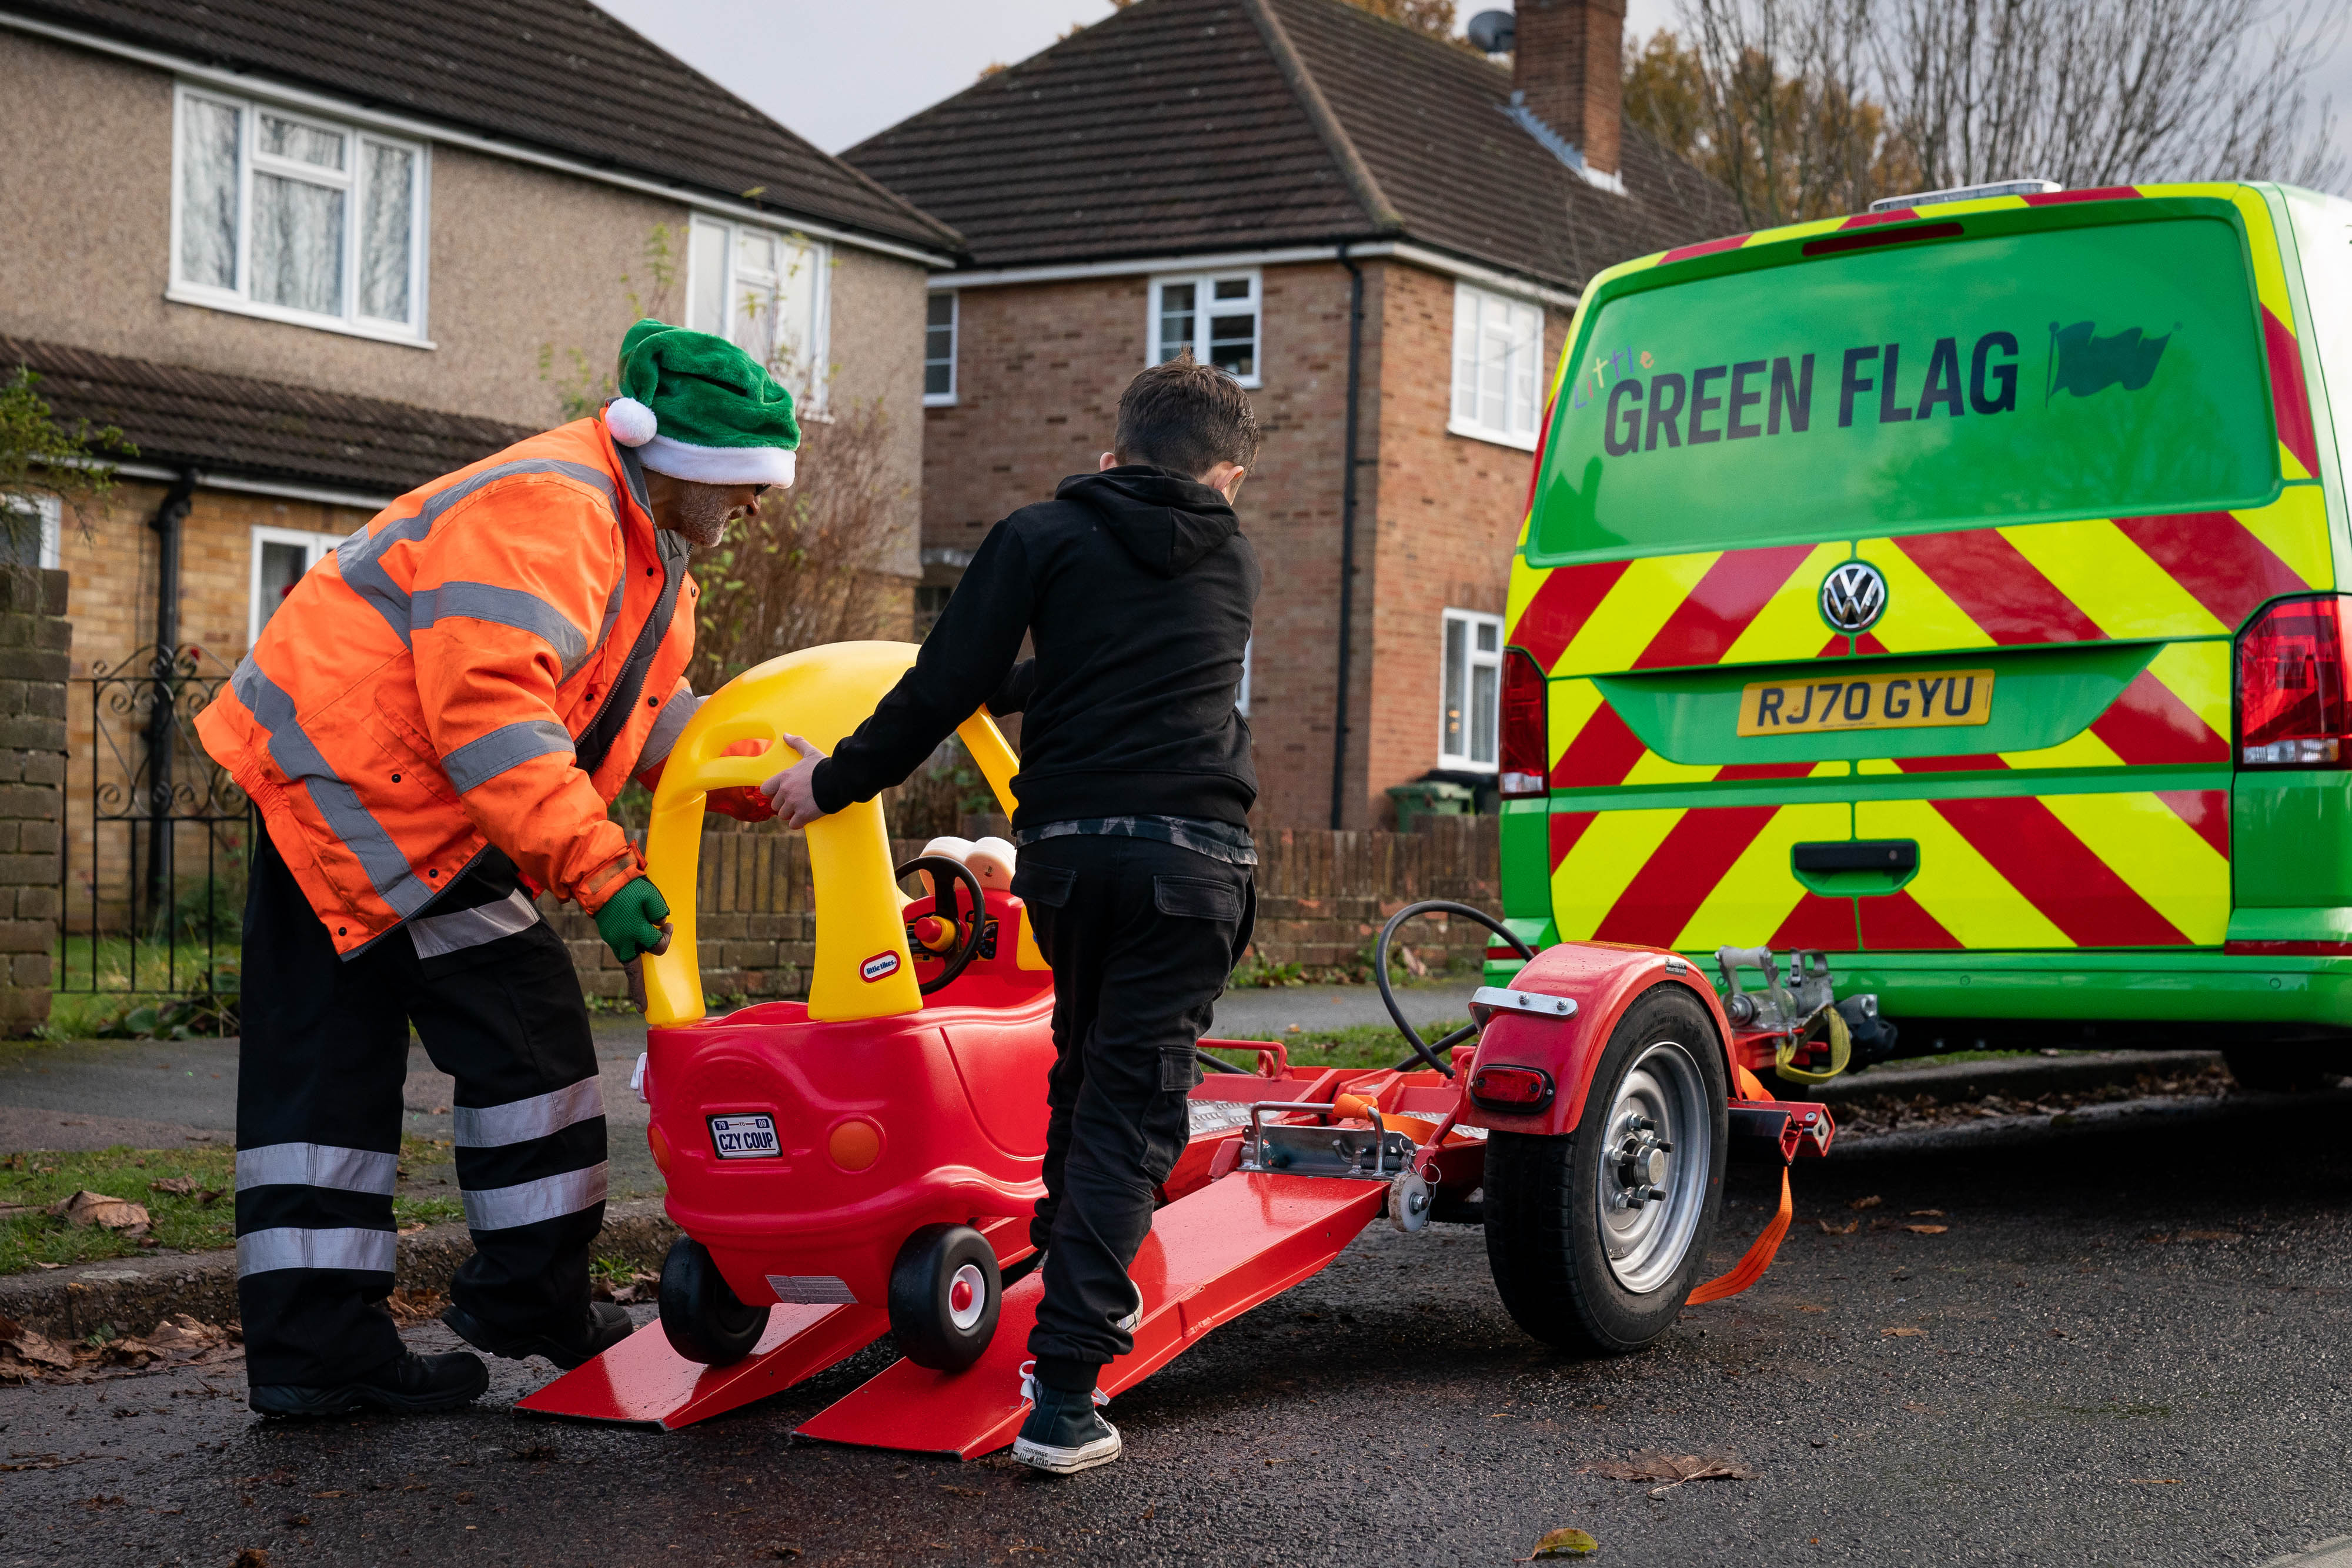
(1141, 936)
(320, 1071)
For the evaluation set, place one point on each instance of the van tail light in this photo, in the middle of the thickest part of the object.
(1526, 748)
(2292, 710)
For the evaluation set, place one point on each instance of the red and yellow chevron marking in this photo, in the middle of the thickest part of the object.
(2117, 869)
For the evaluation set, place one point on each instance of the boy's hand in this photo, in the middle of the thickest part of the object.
(793, 792)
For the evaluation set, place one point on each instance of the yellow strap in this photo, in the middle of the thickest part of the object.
(1841, 1039)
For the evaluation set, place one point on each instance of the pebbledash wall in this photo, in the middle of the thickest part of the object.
(1322, 897)
(1040, 368)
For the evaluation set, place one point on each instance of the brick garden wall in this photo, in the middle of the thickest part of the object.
(35, 642)
(1322, 898)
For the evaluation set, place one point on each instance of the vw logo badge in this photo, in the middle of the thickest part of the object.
(1854, 597)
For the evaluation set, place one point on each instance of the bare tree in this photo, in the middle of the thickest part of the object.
(2104, 92)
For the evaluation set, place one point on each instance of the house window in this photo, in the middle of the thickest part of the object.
(280, 556)
(31, 538)
(766, 292)
(280, 214)
(940, 350)
(1497, 355)
(1214, 315)
(1472, 690)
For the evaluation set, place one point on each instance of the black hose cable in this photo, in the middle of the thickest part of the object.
(1421, 1048)
(1217, 1063)
(1467, 1032)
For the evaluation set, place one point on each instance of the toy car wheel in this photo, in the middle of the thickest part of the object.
(1595, 1239)
(699, 1313)
(945, 1294)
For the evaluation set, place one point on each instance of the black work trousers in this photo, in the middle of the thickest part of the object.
(1141, 936)
(491, 991)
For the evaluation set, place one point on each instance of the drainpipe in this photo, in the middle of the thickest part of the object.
(1347, 532)
(163, 715)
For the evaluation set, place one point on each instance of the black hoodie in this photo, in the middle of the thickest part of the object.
(1137, 587)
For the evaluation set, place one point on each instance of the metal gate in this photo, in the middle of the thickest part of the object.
(153, 863)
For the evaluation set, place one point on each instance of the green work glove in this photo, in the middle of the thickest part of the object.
(631, 920)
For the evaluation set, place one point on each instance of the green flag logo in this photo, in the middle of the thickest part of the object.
(2083, 364)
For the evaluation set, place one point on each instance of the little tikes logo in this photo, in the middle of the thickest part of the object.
(882, 965)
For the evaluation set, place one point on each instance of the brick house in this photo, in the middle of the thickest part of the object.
(309, 254)
(1381, 235)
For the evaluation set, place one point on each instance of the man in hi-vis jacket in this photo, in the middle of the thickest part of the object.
(433, 724)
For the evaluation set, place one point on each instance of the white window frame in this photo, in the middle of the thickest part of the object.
(1473, 659)
(955, 342)
(1522, 375)
(1205, 283)
(238, 300)
(52, 517)
(315, 547)
(708, 228)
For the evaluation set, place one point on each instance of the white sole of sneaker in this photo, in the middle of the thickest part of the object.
(1066, 1462)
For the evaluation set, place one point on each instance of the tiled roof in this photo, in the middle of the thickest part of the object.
(1179, 126)
(255, 429)
(558, 76)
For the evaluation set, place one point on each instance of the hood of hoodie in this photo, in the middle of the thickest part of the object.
(1165, 521)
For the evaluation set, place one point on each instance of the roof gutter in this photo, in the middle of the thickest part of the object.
(438, 131)
(1403, 250)
(1349, 462)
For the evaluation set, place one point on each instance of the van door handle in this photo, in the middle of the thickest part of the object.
(1896, 855)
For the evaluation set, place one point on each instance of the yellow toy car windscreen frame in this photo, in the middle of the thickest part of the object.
(863, 967)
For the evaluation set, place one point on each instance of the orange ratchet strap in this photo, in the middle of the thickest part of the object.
(1750, 1268)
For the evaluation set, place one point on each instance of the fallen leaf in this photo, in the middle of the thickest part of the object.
(86, 1208)
(1927, 1229)
(1901, 1334)
(211, 1194)
(1930, 1213)
(534, 1454)
(330, 1494)
(465, 1497)
(20, 1346)
(253, 1557)
(2152, 1480)
(1807, 1307)
(964, 1491)
(1871, 1202)
(1564, 1543)
(1848, 1228)
(178, 1186)
(411, 1228)
(1650, 1465)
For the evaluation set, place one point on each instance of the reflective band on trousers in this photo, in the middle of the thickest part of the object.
(317, 1164)
(462, 928)
(263, 1251)
(502, 606)
(529, 1202)
(486, 756)
(357, 556)
(519, 1121)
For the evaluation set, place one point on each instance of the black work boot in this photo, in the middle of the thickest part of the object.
(601, 1327)
(1065, 1433)
(414, 1384)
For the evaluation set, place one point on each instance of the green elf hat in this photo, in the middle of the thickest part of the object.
(697, 407)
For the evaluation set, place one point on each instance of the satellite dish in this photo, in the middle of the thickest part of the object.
(1492, 32)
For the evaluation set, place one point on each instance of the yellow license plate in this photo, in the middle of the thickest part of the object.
(1866, 702)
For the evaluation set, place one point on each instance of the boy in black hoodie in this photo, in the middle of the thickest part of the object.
(1135, 787)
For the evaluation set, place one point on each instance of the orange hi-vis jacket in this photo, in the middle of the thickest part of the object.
(486, 662)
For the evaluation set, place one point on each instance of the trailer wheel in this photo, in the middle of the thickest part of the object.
(700, 1314)
(945, 1294)
(2288, 1068)
(1596, 1238)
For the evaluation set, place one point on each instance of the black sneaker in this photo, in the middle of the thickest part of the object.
(412, 1386)
(603, 1325)
(1065, 1432)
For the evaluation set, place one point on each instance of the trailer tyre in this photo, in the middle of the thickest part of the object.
(1583, 1256)
(945, 1295)
(700, 1314)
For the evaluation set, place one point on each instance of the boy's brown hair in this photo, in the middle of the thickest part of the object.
(1185, 417)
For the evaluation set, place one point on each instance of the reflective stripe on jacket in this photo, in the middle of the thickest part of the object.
(441, 681)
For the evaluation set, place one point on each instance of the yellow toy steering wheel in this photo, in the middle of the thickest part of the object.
(863, 966)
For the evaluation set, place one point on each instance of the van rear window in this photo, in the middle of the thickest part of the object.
(2098, 371)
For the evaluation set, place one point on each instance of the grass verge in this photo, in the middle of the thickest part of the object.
(1357, 1045)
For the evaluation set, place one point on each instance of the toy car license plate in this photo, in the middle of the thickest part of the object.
(743, 1137)
(1866, 702)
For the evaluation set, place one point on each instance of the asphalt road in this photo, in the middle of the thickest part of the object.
(2129, 1349)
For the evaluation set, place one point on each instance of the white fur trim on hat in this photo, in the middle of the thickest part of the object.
(717, 464)
(631, 421)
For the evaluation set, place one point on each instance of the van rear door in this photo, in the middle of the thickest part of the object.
(1885, 572)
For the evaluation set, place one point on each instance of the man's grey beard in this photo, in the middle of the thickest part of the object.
(702, 515)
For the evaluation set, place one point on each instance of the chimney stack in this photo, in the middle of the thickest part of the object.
(1568, 62)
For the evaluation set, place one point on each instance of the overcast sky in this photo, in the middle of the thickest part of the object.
(837, 73)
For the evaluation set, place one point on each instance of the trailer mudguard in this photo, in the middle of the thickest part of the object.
(1602, 978)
